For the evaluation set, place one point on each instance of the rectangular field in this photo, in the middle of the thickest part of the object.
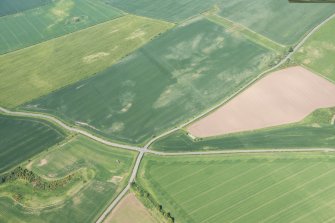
(164, 83)
(282, 97)
(279, 20)
(35, 71)
(318, 53)
(104, 172)
(52, 20)
(8, 7)
(315, 131)
(243, 188)
(22, 138)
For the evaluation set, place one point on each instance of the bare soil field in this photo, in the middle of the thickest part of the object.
(130, 210)
(282, 97)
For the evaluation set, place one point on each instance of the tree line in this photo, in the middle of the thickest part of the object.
(35, 180)
(151, 202)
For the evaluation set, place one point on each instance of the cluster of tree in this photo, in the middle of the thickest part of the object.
(151, 202)
(36, 181)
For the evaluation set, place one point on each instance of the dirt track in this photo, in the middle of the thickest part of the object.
(282, 97)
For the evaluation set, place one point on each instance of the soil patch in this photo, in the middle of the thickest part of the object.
(282, 97)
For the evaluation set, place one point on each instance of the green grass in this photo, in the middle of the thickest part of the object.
(22, 138)
(318, 53)
(313, 132)
(49, 21)
(32, 72)
(8, 7)
(176, 76)
(172, 10)
(243, 188)
(81, 201)
(279, 20)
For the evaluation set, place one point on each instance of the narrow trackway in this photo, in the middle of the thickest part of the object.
(145, 149)
(333, 120)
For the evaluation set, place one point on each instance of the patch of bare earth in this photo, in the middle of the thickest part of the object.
(130, 210)
(282, 97)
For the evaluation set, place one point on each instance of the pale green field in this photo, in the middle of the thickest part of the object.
(38, 70)
(104, 172)
(243, 188)
(318, 53)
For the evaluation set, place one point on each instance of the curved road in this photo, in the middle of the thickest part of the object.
(145, 149)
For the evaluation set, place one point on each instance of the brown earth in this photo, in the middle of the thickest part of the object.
(130, 210)
(282, 97)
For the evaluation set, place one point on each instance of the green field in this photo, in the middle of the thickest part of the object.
(316, 131)
(318, 53)
(243, 188)
(52, 20)
(8, 7)
(62, 61)
(279, 20)
(172, 10)
(169, 80)
(241, 30)
(104, 170)
(22, 138)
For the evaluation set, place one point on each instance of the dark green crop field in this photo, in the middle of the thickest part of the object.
(22, 138)
(52, 20)
(8, 7)
(243, 188)
(316, 131)
(166, 82)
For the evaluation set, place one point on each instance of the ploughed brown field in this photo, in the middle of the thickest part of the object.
(282, 97)
(130, 210)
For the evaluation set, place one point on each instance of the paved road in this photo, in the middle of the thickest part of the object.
(241, 151)
(145, 149)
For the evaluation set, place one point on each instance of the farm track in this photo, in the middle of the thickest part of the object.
(143, 150)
